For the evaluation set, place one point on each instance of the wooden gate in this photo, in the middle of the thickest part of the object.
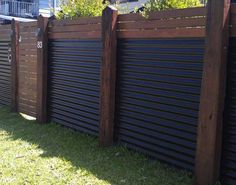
(27, 68)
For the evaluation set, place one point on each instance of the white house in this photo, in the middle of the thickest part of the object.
(27, 9)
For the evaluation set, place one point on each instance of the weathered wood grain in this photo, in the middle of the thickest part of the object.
(208, 154)
(108, 76)
(42, 70)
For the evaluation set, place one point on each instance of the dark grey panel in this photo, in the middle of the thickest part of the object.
(158, 95)
(74, 83)
(5, 74)
(228, 172)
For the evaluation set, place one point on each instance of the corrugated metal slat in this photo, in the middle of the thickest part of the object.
(158, 97)
(74, 83)
(5, 74)
(228, 173)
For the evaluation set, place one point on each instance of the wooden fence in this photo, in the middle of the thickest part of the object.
(155, 85)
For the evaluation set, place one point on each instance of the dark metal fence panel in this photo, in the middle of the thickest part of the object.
(158, 96)
(229, 139)
(74, 83)
(5, 66)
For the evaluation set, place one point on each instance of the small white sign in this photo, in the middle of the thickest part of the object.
(39, 44)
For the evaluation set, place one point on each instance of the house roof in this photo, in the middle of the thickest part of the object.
(16, 18)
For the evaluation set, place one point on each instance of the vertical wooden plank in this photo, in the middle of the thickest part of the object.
(108, 76)
(209, 139)
(42, 58)
(14, 64)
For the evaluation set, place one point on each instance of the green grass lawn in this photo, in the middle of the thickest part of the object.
(49, 154)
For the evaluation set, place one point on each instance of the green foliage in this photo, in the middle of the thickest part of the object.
(80, 8)
(157, 5)
(91, 8)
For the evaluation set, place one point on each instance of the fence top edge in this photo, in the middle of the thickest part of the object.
(28, 24)
(80, 20)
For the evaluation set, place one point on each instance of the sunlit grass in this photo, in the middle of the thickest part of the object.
(50, 154)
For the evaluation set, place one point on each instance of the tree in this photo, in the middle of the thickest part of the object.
(81, 8)
(157, 5)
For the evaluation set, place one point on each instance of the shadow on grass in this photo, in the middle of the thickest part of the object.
(116, 165)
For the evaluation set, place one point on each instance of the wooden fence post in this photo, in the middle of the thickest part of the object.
(209, 140)
(108, 76)
(42, 60)
(14, 64)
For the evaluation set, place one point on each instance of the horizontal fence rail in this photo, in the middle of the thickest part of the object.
(83, 28)
(170, 23)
